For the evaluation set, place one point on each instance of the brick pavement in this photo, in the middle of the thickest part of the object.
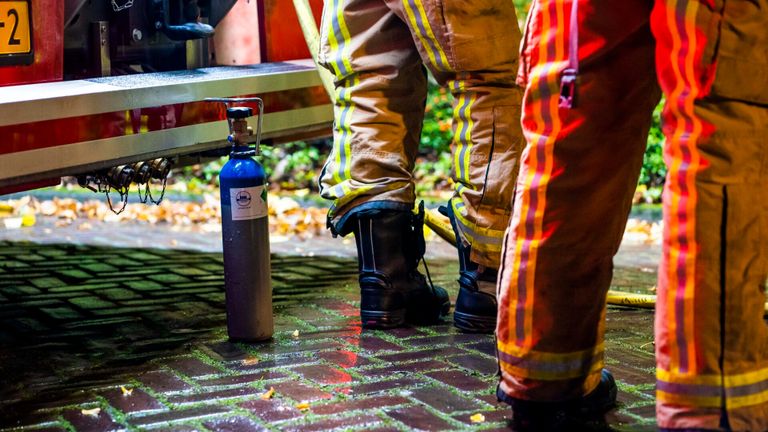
(81, 321)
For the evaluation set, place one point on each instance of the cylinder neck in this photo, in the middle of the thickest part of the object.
(242, 152)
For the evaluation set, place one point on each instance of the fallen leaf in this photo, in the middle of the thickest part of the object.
(48, 208)
(268, 394)
(28, 218)
(12, 222)
(250, 361)
(126, 391)
(94, 412)
(295, 334)
(302, 406)
(63, 223)
(477, 418)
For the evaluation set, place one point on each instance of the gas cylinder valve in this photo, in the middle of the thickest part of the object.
(239, 131)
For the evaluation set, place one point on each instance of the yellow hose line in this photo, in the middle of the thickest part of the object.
(312, 37)
(648, 301)
(439, 226)
(620, 298)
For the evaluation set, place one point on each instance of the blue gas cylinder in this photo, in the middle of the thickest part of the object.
(245, 234)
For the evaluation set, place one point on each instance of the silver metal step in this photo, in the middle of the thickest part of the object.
(31, 106)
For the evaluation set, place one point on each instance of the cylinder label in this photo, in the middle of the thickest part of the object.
(248, 203)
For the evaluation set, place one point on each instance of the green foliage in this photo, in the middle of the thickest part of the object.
(654, 170)
(436, 134)
(199, 177)
(433, 175)
(522, 7)
(294, 165)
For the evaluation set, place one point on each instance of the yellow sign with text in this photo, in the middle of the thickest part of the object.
(15, 31)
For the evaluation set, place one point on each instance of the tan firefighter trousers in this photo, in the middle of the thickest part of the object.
(377, 50)
(577, 177)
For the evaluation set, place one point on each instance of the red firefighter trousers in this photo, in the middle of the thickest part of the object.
(576, 183)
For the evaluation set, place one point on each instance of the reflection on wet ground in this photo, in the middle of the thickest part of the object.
(106, 338)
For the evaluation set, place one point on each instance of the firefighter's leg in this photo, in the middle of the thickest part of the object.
(470, 48)
(711, 338)
(379, 106)
(578, 175)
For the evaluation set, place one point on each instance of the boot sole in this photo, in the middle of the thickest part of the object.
(469, 323)
(382, 319)
(429, 317)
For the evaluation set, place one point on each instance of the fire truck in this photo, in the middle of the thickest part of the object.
(113, 91)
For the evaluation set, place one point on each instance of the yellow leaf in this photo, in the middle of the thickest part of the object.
(28, 218)
(302, 406)
(267, 395)
(295, 333)
(91, 412)
(250, 361)
(477, 418)
(126, 391)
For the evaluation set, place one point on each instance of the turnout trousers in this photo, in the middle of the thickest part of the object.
(577, 178)
(377, 50)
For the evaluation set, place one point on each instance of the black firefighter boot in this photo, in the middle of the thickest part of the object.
(582, 414)
(476, 305)
(390, 245)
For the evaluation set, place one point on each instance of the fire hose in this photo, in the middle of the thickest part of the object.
(435, 222)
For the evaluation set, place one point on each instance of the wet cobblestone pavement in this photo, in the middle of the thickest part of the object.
(80, 322)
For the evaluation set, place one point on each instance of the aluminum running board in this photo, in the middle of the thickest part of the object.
(34, 157)
(48, 101)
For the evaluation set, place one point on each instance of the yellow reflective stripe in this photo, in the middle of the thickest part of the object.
(550, 366)
(350, 193)
(542, 356)
(346, 191)
(332, 41)
(471, 230)
(737, 380)
(345, 35)
(678, 399)
(342, 146)
(462, 136)
(415, 26)
(732, 384)
(548, 375)
(344, 107)
(732, 402)
(458, 87)
(543, 110)
(746, 378)
(682, 255)
(468, 136)
(428, 40)
(431, 34)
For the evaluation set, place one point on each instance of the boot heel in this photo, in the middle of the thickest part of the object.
(430, 310)
(474, 323)
(375, 319)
